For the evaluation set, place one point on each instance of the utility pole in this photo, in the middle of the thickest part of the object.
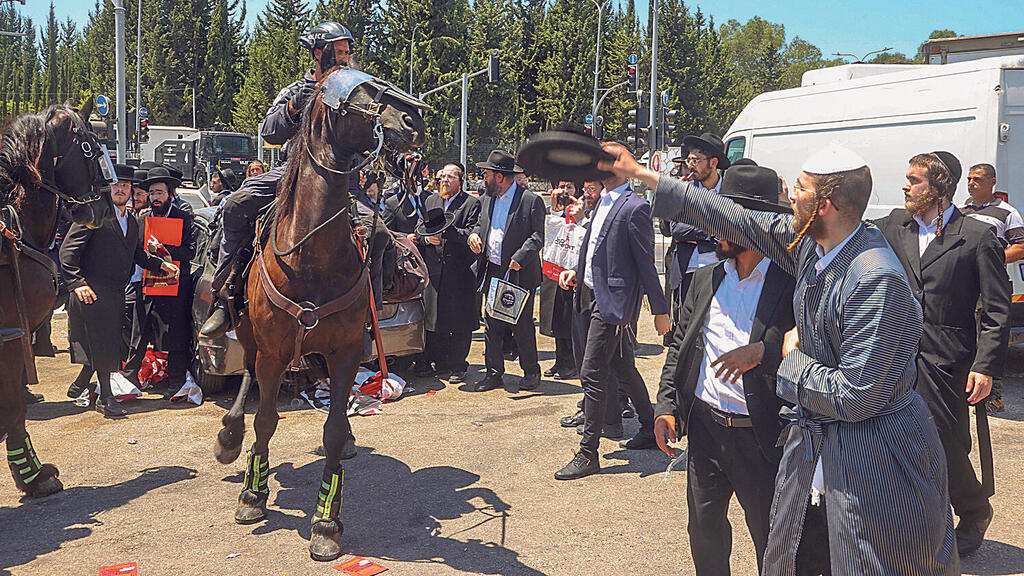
(654, 76)
(138, 83)
(412, 53)
(122, 132)
(193, 105)
(597, 55)
(465, 118)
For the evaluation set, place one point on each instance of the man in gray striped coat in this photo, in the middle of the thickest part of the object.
(849, 370)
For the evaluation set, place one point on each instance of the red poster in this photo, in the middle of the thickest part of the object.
(360, 567)
(166, 230)
(128, 569)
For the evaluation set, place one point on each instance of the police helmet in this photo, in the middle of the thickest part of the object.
(321, 34)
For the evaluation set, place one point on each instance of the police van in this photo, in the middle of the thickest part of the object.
(887, 113)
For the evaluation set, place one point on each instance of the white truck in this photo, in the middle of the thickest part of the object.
(889, 113)
(159, 134)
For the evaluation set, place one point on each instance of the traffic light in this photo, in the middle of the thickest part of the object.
(598, 131)
(493, 68)
(665, 127)
(639, 120)
(632, 84)
(144, 130)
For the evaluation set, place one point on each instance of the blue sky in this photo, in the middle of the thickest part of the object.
(832, 25)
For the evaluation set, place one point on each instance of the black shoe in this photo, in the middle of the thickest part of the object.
(457, 377)
(530, 382)
(627, 410)
(568, 374)
(218, 323)
(572, 421)
(579, 467)
(44, 350)
(642, 441)
(550, 372)
(422, 370)
(110, 408)
(488, 383)
(76, 389)
(609, 431)
(970, 533)
(31, 398)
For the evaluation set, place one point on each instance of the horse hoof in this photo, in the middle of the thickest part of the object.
(348, 451)
(44, 488)
(229, 442)
(226, 455)
(325, 540)
(251, 507)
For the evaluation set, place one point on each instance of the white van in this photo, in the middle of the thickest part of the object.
(889, 113)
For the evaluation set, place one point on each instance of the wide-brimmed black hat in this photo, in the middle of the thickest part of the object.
(435, 221)
(161, 174)
(753, 187)
(174, 172)
(564, 154)
(139, 176)
(227, 178)
(500, 161)
(124, 172)
(711, 144)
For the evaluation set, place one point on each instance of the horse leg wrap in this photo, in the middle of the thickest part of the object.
(257, 471)
(328, 504)
(25, 465)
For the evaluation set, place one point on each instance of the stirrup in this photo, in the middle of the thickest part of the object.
(218, 323)
(8, 334)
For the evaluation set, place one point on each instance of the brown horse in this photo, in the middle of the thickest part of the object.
(308, 289)
(43, 157)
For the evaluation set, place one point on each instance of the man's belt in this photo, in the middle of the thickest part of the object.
(726, 419)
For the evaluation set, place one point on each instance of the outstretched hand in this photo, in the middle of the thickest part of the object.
(623, 164)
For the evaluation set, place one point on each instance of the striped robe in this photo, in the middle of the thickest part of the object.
(852, 384)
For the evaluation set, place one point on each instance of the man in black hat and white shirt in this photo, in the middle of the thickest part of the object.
(165, 321)
(509, 237)
(451, 216)
(692, 248)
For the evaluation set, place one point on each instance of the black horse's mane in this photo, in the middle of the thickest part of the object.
(21, 144)
(296, 149)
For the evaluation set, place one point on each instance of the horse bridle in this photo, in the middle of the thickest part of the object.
(95, 155)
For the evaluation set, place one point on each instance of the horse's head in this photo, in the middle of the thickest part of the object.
(368, 115)
(81, 165)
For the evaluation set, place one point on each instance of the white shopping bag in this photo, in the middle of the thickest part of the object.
(563, 239)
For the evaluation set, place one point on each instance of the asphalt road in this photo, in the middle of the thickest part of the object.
(449, 483)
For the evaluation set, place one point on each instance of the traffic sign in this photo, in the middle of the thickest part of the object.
(102, 105)
(632, 58)
(143, 113)
(590, 118)
(656, 161)
(664, 97)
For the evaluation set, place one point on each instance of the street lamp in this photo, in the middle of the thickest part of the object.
(862, 58)
(412, 54)
(597, 55)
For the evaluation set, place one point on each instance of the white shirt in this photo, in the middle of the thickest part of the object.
(499, 216)
(604, 206)
(122, 218)
(697, 259)
(727, 327)
(926, 232)
(448, 201)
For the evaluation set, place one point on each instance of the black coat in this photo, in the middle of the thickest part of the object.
(400, 214)
(960, 271)
(773, 318)
(523, 241)
(168, 318)
(103, 259)
(450, 295)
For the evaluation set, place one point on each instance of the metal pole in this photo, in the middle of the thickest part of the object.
(654, 75)
(122, 134)
(138, 82)
(597, 54)
(465, 101)
(412, 43)
(193, 106)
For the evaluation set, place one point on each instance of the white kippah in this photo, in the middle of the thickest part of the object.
(832, 159)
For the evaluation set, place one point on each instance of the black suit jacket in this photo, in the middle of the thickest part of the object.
(773, 318)
(959, 272)
(452, 288)
(523, 241)
(103, 257)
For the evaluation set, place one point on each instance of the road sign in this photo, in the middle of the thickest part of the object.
(143, 113)
(590, 118)
(656, 162)
(102, 105)
(664, 97)
(632, 58)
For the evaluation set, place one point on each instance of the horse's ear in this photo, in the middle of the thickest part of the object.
(86, 110)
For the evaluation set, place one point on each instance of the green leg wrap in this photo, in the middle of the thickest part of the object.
(328, 503)
(257, 471)
(24, 463)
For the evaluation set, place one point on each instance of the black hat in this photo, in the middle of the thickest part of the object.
(949, 161)
(227, 178)
(139, 176)
(174, 172)
(743, 162)
(711, 144)
(564, 154)
(753, 187)
(500, 161)
(436, 221)
(161, 174)
(124, 172)
(149, 165)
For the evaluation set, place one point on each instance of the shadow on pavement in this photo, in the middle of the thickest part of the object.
(393, 513)
(65, 407)
(994, 559)
(38, 527)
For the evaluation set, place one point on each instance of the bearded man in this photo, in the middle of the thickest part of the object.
(955, 268)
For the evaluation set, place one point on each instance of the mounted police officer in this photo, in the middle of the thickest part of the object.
(331, 45)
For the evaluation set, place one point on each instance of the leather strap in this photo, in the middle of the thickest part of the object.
(308, 315)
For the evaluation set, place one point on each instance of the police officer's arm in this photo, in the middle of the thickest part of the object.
(279, 125)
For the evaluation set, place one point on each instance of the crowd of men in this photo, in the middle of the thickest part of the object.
(823, 367)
